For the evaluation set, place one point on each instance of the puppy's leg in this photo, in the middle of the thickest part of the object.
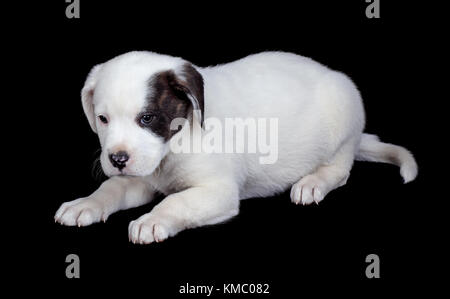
(314, 187)
(117, 193)
(190, 208)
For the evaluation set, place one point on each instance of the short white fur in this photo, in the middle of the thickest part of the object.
(321, 122)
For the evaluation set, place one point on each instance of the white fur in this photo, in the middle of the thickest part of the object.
(321, 120)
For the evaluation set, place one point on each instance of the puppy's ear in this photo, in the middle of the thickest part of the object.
(87, 95)
(190, 81)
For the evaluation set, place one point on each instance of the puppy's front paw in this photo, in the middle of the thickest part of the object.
(309, 189)
(81, 212)
(147, 229)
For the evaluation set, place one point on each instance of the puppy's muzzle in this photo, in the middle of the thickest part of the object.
(119, 159)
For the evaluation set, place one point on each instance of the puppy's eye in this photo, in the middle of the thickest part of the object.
(146, 119)
(103, 119)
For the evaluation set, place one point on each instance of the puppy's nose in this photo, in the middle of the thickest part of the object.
(119, 159)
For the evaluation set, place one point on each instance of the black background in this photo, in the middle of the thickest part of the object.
(293, 248)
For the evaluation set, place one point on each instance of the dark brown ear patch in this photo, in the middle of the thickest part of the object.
(192, 83)
(170, 96)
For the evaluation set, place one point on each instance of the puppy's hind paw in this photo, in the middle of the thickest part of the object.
(308, 190)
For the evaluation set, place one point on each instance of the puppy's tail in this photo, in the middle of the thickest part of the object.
(372, 149)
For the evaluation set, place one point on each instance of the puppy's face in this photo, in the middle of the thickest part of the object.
(130, 102)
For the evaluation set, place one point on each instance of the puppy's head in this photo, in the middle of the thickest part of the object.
(130, 102)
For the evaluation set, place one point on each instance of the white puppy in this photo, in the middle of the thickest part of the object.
(131, 100)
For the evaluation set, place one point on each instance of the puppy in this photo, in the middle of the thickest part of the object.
(132, 100)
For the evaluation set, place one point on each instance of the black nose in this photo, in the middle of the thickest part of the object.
(119, 159)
